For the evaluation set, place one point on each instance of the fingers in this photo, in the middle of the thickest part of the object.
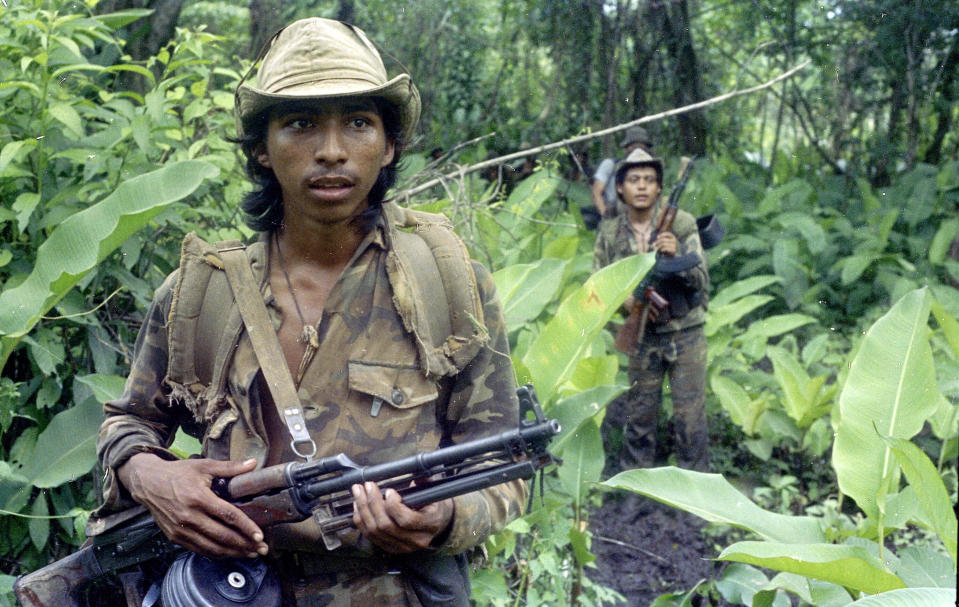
(392, 526)
(224, 469)
(666, 243)
(178, 495)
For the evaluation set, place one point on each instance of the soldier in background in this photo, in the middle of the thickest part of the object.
(605, 198)
(673, 341)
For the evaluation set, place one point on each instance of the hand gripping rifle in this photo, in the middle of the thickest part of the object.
(646, 299)
(320, 489)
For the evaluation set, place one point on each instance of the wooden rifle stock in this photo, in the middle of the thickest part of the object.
(630, 333)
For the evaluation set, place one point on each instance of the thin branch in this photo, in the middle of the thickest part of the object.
(91, 311)
(603, 538)
(406, 194)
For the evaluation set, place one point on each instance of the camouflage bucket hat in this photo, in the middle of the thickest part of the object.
(319, 59)
(639, 157)
(636, 134)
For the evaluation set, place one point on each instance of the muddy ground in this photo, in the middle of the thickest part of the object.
(645, 548)
(641, 557)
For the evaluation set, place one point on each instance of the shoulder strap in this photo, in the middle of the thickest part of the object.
(265, 344)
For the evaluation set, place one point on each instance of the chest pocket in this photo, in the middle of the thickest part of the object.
(392, 399)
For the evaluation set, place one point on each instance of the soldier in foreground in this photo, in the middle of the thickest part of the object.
(375, 375)
(672, 341)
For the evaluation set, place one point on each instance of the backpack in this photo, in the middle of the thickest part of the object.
(434, 291)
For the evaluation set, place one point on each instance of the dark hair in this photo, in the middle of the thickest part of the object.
(263, 206)
(621, 173)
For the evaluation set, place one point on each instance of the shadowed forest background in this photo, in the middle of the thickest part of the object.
(833, 389)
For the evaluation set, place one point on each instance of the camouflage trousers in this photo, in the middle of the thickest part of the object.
(682, 356)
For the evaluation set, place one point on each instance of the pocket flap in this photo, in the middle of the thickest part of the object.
(402, 387)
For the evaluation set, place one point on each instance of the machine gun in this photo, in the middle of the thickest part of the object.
(296, 491)
(647, 301)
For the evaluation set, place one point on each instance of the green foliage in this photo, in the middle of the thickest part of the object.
(812, 259)
(879, 411)
(97, 186)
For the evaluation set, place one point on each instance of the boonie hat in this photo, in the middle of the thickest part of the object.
(636, 134)
(639, 157)
(319, 58)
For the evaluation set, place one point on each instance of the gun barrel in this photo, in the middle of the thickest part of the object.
(418, 496)
(511, 442)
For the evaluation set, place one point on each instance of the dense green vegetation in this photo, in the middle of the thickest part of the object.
(834, 340)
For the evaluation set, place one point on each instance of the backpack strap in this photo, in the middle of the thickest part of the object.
(434, 289)
(266, 345)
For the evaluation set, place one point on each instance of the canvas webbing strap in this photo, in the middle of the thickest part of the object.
(266, 345)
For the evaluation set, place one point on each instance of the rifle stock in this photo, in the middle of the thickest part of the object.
(54, 586)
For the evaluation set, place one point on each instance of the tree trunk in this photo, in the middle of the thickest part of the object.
(611, 34)
(688, 89)
(346, 11)
(943, 109)
(266, 17)
(144, 37)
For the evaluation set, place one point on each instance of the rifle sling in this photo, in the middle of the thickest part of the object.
(265, 344)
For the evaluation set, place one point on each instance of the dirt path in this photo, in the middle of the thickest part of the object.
(645, 556)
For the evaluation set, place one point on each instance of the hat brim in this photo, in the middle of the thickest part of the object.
(400, 91)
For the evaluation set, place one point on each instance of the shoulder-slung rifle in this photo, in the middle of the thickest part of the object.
(320, 489)
(646, 299)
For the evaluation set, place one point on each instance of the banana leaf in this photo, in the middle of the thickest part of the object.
(84, 239)
(891, 391)
(910, 597)
(554, 354)
(711, 497)
(849, 566)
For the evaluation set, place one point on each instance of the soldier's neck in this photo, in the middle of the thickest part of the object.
(314, 243)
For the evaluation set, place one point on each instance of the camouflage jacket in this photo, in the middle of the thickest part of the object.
(364, 394)
(615, 240)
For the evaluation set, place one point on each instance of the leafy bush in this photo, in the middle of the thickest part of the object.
(80, 181)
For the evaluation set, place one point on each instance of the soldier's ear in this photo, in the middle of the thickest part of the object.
(262, 156)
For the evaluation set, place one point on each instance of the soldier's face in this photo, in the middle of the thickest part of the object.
(640, 190)
(326, 156)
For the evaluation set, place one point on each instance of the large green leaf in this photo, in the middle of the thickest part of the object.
(910, 597)
(66, 449)
(891, 390)
(813, 592)
(104, 387)
(711, 497)
(555, 352)
(525, 289)
(720, 316)
(743, 410)
(527, 197)
(931, 491)
(85, 238)
(583, 460)
(803, 397)
(739, 583)
(573, 411)
(741, 288)
(925, 567)
(776, 325)
(849, 566)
